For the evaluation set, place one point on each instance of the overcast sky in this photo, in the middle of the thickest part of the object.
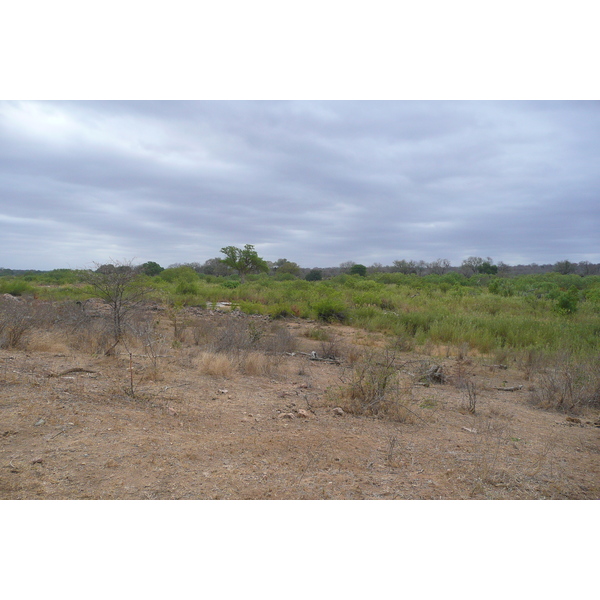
(318, 183)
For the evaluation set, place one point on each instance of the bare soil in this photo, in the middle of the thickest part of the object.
(73, 426)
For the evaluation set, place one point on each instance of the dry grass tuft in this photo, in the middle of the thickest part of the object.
(257, 364)
(215, 364)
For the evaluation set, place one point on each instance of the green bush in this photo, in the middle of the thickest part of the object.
(16, 287)
(331, 311)
(187, 288)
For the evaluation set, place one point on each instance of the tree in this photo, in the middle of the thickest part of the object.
(487, 268)
(358, 270)
(283, 265)
(120, 287)
(215, 266)
(405, 267)
(244, 260)
(565, 267)
(314, 275)
(439, 266)
(471, 265)
(151, 268)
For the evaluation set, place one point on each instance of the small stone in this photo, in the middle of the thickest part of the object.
(40, 422)
(338, 412)
(303, 414)
(37, 461)
(223, 391)
(171, 411)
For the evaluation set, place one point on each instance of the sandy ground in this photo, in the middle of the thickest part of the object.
(271, 432)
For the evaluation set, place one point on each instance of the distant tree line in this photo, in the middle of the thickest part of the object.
(245, 261)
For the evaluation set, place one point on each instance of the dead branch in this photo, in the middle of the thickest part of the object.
(515, 388)
(75, 370)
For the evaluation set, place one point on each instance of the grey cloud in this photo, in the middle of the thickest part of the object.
(316, 182)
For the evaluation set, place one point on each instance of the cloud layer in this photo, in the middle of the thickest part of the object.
(318, 183)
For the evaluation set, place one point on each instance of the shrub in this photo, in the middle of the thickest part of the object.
(331, 311)
(570, 385)
(373, 388)
(16, 287)
(187, 288)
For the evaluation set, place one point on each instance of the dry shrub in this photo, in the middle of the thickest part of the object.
(202, 331)
(373, 387)
(146, 331)
(331, 347)
(215, 364)
(532, 361)
(279, 340)
(569, 386)
(19, 318)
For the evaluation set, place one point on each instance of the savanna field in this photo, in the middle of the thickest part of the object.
(386, 386)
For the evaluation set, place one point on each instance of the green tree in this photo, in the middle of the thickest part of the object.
(283, 265)
(244, 260)
(358, 270)
(487, 268)
(314, 275)
(151, 268)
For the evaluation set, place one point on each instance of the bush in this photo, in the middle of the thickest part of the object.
(373, 388)
(187, 288)
(16, 287)
(331, 311)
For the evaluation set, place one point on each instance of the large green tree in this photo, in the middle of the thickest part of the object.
(244, 260)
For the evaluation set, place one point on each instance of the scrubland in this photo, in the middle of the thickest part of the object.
(384, 387)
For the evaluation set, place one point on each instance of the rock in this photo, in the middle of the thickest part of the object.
(171, 411)
(338, 412)
(223, 391)
(303, 414)
(37, 461)
(286, 416)
(40, 422)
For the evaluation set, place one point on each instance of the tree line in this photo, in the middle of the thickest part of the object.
(245, 261)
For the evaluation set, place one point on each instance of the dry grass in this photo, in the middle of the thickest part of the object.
(215, 364)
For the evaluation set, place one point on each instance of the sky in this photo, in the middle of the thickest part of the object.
(315, 182)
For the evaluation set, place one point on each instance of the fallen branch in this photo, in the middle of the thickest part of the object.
(515, 388)
(75, 370)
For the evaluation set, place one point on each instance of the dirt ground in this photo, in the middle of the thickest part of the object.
(71, 428)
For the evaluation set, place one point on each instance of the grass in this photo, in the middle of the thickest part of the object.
(486, 314)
